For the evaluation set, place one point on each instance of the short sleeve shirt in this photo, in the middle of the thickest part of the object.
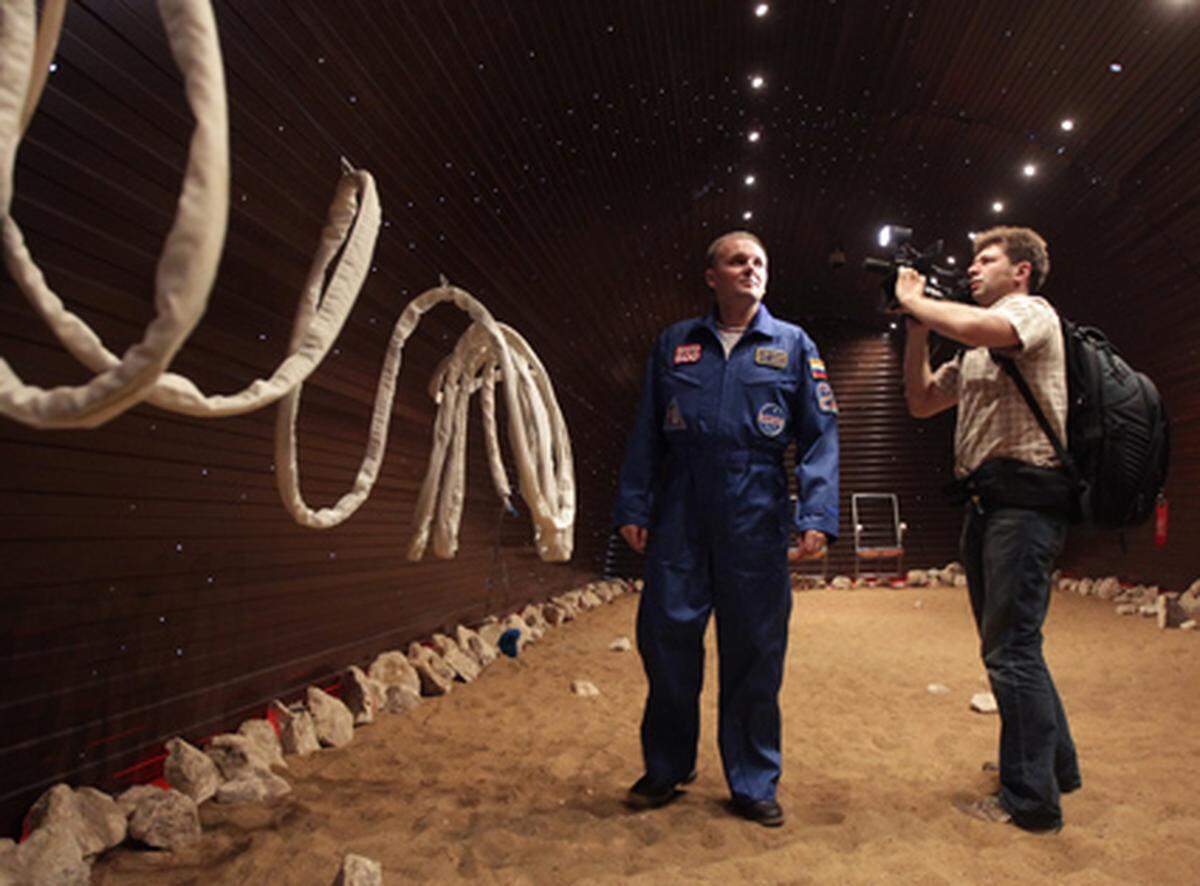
(994, 421)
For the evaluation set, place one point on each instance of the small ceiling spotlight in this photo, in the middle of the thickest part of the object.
(753, 135)
(971, 236)
(747, 215)
(761, 9)
(997, 206)
(749, 180)
(1067, 125)
(1115, 67)
(951, 260)
(757, 82)
(1029, 170)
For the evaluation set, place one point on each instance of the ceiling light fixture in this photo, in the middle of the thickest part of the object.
(753, 135)
(997, 206)
(1115, 67)
(761, 9)
(749, 180)
(757, 82)
(747, 215)
(1029, 170)
(1067, 125)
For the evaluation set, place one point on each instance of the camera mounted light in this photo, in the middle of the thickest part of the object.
(894, 235)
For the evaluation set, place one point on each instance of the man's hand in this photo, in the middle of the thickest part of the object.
(635, 536)
(910, 286)
(812, 543)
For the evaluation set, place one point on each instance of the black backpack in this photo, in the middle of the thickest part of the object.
(1117, 431)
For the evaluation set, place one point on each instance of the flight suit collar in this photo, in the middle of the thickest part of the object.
(762, 325)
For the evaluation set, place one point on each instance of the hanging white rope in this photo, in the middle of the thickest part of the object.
(487, 352)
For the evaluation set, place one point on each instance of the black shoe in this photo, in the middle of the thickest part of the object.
(767, 813)
(649, 794)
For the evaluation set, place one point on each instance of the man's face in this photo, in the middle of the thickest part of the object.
(739, 272)
(993, 276)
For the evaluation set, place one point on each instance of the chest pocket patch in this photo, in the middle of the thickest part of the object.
(771, 357)
(770, 419)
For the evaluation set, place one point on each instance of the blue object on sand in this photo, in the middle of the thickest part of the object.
(508, 642)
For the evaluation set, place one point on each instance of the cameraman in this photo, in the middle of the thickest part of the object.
(1017, 499)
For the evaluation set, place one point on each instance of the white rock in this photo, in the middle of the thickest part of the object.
(297, 734)
(394, 669)
(473, 644)
(515, 621)
(533, 617)
(1189, 625)
(260, 786)
(332, 720)
(584, 688)
(437, 678)
(960, 580)
(937, 689)
(51, 857)
(465, 666)
(189, 770)
(916, 578)
(1127, 609)
(400, 699)
(163, 819)
(90, 817)
(363, 696)
(1149, 610)
(490, 632)
(235, 755)
(920, 604)
(841, 583)
(621, 644)
(984, 703)
(359, 871)
(266, 739)
(555, 615)
(639, 585)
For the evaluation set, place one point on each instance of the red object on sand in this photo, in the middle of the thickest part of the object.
(1161, 518)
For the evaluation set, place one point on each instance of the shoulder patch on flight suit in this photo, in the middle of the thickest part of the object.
(687, 354)
(826, 402)
(771, 357)
(816, 366)
(674, 418)
(771, 418)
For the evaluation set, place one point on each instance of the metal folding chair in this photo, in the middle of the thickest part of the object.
(878, 533)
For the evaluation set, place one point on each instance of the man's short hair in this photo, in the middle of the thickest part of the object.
(710, 257)
(1019, 244)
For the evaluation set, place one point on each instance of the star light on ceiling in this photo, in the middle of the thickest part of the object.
(761, 9)
(1029, 170)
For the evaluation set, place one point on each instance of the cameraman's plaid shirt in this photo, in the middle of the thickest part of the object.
(994, 421)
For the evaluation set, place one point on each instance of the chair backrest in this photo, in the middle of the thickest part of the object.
(878, 515)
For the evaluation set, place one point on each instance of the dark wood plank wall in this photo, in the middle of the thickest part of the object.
(558, 162)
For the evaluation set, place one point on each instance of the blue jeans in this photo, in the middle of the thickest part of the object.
(1008, 554)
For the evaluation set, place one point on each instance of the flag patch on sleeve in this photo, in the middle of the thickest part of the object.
(816, 367)
(771, 357)
(687, 354)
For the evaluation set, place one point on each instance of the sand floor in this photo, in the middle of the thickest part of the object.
(512, 779)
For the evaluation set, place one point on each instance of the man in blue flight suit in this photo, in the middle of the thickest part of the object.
(703, 492)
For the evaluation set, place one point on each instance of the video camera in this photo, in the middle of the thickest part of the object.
(942, 280)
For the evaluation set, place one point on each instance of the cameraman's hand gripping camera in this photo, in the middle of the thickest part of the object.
(941, 280)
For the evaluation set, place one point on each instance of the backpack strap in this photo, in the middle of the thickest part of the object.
(1010, 367)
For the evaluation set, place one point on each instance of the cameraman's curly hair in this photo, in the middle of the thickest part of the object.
(1019, 244)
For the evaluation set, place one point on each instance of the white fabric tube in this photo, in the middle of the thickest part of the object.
(191, 252)
(488, 352)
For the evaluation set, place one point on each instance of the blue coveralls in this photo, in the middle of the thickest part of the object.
(704, 472)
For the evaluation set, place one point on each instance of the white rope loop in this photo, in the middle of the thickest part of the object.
(487, 352)
(191, 251)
